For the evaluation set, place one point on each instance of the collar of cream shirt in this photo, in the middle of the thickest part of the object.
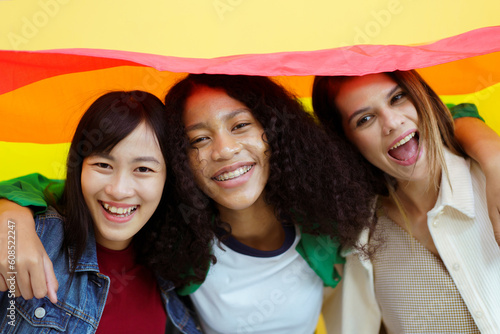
(455, 192)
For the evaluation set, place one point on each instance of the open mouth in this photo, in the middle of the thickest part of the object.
(234, 174)
(406, 148)
(119, 212)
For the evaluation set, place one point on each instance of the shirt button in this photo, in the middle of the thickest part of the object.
(40, 312)
(479, 314)
(456, 266)
(435, 223)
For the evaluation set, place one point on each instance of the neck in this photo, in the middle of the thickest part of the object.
(255, 226)
(417, 197)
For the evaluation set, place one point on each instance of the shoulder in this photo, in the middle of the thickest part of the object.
(478, 180)
(469, 171)
(51, 216)
(463, 171)
(50, 228)
(321, 254)
(475, 170)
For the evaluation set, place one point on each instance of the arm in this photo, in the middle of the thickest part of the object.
(35, 275)
(482, 144)
(30, 191)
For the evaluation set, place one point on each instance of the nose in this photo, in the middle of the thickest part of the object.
(120, 186)
(225, 147)
(392, 119)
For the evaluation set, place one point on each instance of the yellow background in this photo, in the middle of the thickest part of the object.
(212, 28)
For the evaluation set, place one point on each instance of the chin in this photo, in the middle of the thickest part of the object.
(238, 205)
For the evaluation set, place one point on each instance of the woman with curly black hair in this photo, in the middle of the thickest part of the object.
(271, 193)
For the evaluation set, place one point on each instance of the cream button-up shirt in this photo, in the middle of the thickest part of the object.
(463, 236)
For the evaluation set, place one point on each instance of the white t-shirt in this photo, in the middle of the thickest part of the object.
(252, 291)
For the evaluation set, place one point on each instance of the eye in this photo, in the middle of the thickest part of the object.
(240, 126)
(398, 97)
(102, 165)
(143, 169)
(362, 120)
(198, 140)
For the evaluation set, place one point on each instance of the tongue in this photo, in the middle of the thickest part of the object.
(406, 151)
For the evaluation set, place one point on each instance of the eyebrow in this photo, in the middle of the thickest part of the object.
(362, 110)
(135, 160)
(204, 125)
(392, 91)
(146, 159)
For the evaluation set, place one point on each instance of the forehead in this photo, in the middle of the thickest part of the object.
(359, 92)
(371, 83)
(141, 139)
(207, 103)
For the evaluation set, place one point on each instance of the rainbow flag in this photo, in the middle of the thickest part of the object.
(57, 56)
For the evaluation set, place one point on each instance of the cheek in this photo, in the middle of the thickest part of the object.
(87, 184)
(153, 188)
(368, 154)
(354, 139)
(265, 149)
(266, 158)
(159, 185)
(201, 174)
(194, 159)
(197, 165)
(259, 144)
(368, 146)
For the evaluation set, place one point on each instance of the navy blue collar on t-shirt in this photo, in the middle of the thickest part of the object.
(238, 247)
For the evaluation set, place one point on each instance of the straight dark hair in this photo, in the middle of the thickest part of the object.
(110, 119)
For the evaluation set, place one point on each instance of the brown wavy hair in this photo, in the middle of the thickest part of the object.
(435, 121)
(315, 180)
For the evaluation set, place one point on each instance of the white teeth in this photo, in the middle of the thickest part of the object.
(119, 211)
(404, 140)
(231, 175)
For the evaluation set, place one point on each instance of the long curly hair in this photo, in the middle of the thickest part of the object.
(314, 178)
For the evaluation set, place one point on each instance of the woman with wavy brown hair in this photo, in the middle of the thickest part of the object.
(436, 265)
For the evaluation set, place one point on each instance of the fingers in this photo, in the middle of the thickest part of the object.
(23, 284)
(50, 277)
(8, 284)
(38, 282)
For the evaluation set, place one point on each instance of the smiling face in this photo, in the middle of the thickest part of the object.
(122, 189)
(382, 122)
(228, 155)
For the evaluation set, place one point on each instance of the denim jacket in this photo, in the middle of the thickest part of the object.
(79, 309)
